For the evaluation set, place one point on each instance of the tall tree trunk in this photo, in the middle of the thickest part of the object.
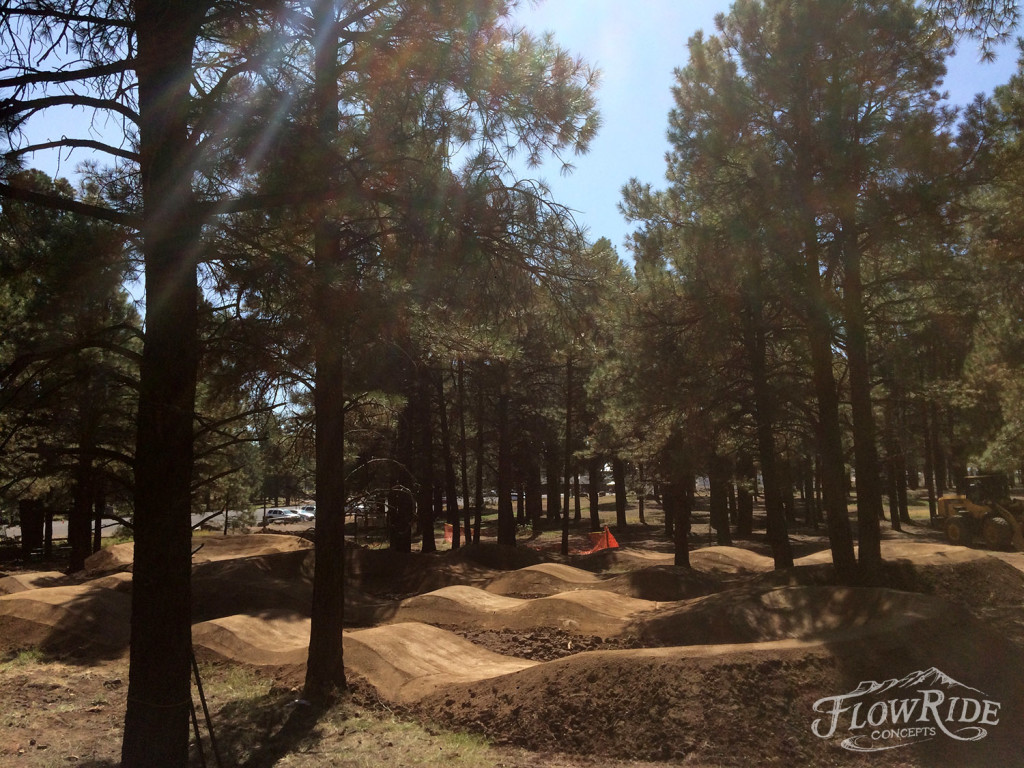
(554, 493)
(785, 470)
(401, 510)
(670, 518)
(641, 492)
(901, 487)
(506, 519)
(30, 519)
(48, 533)
(423, 417)
(325, 670)
(938, 455)
(764, 420)
(816, 300)
(830, 442)
(678, 504)
(401, 502)
(596, 478)
(718, 477)
(100, 508)
(568, 453)
(865, 450)
(156, 725)
(478, 491)
(84, 497)
(534, 494)
(929, 463)
(810, 494)
(671, 501)
(577, 505)
(463, 461)
(893, 468)
(745, 500)
(451, 492)
(913, 475)
(619, 478)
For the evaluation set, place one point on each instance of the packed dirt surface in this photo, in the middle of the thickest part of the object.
(596, 659)
(209, 549)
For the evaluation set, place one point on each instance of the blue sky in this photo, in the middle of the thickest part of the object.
(636, 46)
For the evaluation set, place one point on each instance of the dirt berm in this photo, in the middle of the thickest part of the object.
(745, 688)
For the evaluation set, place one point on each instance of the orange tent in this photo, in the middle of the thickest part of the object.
(601, 540)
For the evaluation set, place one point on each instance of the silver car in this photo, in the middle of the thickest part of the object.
(282, 516)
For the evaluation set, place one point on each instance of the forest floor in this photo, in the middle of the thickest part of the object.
(485, 657)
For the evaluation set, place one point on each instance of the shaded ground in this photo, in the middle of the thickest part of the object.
(596, 660)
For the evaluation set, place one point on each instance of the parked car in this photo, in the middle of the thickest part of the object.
(281, 516)
(307, 513)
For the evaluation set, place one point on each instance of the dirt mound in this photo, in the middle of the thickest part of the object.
(394, 575)
(621, 558)
(723, 704)
(406, 662)
(730, 560)
(731, 668)
(19, 582)
(919, 552)
(490, 555)
(210, 548)
(663, 583)
(754, 614)
(988, 587)
(273, 638)
(584, 611)
(543, 579)
(90, 618)
(660, 583)
(279, 581)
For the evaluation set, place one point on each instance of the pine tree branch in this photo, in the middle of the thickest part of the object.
(56, 202)
(69, 75)
(15, 108)
(99, 146)
(50, 13)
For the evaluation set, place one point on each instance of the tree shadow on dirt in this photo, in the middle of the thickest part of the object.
(258, 733)
(82, 624)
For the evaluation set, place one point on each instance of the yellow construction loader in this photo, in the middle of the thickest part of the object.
(985, 514)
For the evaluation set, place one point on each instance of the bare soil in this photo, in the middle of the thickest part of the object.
(488, 657)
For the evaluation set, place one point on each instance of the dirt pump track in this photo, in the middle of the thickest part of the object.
(617, 655)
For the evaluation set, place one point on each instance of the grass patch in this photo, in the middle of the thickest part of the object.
(257, 728)
(121, 535)
(369, 739)
(232, 683)
(28, 657)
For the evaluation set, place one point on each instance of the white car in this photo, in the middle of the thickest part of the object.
(281, 516)
(306, 513)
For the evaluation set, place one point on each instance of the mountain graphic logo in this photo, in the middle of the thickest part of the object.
(917, 707)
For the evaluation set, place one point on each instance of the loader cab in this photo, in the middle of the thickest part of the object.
(982, 489)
